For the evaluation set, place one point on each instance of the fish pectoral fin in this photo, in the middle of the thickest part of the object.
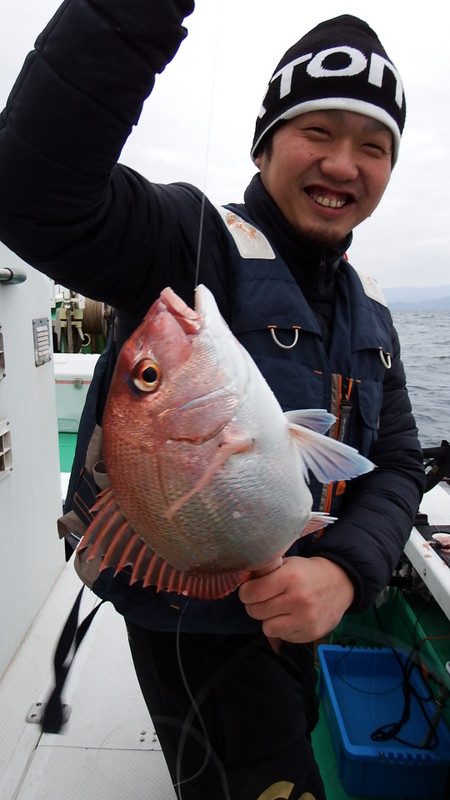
(316, 419)
(317, 521)
(327, 458)
(231, 443)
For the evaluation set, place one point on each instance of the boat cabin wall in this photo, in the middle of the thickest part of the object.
(31, 554)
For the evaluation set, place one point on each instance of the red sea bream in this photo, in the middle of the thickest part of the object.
(208, 476)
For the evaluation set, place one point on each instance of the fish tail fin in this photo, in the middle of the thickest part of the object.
(327, 458)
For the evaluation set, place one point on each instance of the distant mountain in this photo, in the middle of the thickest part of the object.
(422, 305)
(422, 298)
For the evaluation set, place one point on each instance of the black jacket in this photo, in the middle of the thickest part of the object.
(68, 209)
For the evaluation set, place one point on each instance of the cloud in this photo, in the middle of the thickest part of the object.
(198, 124)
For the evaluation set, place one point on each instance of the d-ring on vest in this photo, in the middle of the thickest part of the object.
(296, 328)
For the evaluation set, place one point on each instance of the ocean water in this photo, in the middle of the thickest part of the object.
(425, 342)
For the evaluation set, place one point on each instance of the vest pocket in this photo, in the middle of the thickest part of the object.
(370, 398)
(294, 384)
(289, 373)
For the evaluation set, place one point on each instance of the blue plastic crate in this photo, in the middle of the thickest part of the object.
(361, 690)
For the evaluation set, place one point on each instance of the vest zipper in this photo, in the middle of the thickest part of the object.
(341, 408)
(345, 410)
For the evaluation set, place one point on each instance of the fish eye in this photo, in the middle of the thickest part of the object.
(146, 375)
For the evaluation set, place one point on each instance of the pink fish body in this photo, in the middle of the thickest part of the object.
(208, 476)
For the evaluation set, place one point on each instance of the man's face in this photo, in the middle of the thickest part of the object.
(327, 171)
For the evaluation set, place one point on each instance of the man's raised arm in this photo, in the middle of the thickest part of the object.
(68, 116)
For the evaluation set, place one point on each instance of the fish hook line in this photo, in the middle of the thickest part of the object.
(207, 149)
(188, 730)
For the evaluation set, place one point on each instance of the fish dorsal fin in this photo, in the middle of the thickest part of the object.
(316, 419)
(110, 536)
(327, 458)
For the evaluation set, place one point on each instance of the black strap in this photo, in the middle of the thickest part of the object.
(72, 635)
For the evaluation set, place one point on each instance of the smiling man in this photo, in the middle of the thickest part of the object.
(327, 171)
(230, 684)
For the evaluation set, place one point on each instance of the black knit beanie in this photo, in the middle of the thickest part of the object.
(339, 64)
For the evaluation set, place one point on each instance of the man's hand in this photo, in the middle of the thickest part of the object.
(301, 600)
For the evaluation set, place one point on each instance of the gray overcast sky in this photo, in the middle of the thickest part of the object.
(198, 124)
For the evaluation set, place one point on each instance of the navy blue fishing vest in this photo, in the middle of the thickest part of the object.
(271, 318)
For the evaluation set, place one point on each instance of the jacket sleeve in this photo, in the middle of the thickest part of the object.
(379, 509)
(65, 206)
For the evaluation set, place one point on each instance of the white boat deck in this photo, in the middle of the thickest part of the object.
(108, 750)
(432, 569)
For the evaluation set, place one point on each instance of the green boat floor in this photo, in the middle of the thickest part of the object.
(67, 444)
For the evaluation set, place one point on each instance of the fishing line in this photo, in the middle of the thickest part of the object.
(379, 635)
(187, 722)
(207, 150)
(187, 729)
(391, 730)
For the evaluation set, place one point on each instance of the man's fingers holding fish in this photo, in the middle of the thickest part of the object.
(300, 601)
(260, 587)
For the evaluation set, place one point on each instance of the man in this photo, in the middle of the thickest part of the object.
(233, 714)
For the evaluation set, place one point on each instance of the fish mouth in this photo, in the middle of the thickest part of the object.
(205, 304)
(190, 320)
(232, 376)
